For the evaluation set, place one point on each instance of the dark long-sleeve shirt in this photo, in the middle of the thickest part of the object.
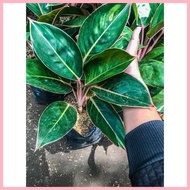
(145, 149)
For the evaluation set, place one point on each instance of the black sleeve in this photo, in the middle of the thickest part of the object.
(145, 150)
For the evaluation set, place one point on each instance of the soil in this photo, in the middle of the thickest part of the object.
(83, 123)
(29, 52)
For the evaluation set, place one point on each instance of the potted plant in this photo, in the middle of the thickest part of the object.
(90, 66)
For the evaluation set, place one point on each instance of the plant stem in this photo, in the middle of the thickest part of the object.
(155, 42)
(145, 50)
(84, 96)
(79, 92)
(74, 93)
(81, 95)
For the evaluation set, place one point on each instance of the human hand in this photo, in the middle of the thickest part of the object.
(135, 116)
(132, 48)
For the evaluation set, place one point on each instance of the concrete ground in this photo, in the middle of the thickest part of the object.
(56, 165)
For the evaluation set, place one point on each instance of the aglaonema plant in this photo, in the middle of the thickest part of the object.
(91, 68)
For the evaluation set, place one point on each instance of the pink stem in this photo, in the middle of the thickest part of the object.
(147, 46)
(80, 93)
(145, 49)
(155, 42)
(77, 89)
(84, 96)
(74, 93)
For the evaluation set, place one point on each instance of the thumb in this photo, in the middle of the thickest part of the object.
(134, 42)
(132, 48)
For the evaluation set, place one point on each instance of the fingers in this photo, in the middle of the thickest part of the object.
(132, 48)
(134, 42)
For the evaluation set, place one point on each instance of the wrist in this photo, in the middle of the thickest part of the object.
(135, 116)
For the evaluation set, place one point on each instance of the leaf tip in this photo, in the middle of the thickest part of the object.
(152, 106)
(29, 19)
(37, 147)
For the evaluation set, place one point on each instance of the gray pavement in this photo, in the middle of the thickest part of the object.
(56, 165)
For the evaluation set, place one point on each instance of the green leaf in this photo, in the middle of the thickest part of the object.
(157, 22)
(153, 31)
(160, 58)
(55, 122)
(102, 28)
(124, 39)
(154, 6)
(71, 31)
(70, 11)
(39, 8)
(27, 36)
(41, 77)
(122, 43)
(77, 22)
(117, 108)
(134, 6)
(154, 53)
(50, 17)
(54, 4)
(152, 73)
(158, 16)
(123, 90)
(64, 11)
(105, 65)
(106, 118)
(154, 90)
(127, 33)
(28, 27)
(158, 101)
(73, 11)
(56, 50)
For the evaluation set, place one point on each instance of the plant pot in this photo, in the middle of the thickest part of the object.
(75, 140)
(45, 97)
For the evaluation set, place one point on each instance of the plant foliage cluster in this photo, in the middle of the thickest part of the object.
(81, 48)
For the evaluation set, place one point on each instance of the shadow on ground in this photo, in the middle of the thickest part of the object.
(57, 165)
